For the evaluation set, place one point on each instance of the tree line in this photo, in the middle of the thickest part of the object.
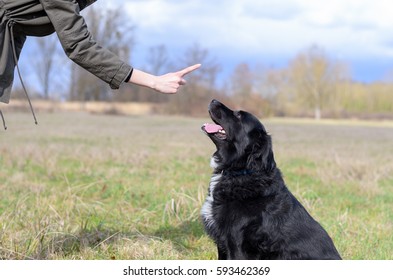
(311, 85)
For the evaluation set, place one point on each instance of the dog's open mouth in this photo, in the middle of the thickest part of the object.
(216, 129)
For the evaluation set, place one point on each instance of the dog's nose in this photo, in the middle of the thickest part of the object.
(214, 103)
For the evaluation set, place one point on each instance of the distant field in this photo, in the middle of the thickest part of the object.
(80, 186)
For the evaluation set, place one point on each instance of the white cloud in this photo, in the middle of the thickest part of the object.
(348, 29)
(262, 31)
(275, 10)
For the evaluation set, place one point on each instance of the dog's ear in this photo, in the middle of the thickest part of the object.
(268, 162)
(261, 155)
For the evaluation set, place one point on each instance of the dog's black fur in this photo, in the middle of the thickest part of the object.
(249, 212)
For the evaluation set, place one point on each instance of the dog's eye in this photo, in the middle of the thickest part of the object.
(237, 114)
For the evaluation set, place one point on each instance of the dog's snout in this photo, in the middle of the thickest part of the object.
(217, 109)
(214, 103)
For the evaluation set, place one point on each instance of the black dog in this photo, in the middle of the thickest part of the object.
(249, 212)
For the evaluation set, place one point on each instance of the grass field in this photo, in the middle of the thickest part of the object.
(81, 186)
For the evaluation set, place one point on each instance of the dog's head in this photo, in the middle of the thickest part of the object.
(241, 140)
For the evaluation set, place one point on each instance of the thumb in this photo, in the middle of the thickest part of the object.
(182, 82)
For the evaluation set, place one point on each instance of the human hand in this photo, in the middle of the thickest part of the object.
(171, 82)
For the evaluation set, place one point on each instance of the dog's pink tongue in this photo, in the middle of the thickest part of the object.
(212, 128)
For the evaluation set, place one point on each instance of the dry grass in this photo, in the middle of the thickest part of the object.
(95, 107)
(80, 186)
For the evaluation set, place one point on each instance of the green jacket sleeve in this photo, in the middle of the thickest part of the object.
(79, 45)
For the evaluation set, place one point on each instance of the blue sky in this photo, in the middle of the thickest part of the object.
(265, 32)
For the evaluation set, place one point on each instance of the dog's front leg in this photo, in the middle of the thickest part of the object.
(222, 253)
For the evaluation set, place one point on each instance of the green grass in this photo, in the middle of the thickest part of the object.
(83, 186)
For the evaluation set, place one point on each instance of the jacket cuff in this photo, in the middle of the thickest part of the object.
(121, 75)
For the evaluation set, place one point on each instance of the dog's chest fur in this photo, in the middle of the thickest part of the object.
(219, 213)
(207, 208)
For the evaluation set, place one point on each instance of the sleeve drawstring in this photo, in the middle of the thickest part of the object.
(11, 24)
(2, 117)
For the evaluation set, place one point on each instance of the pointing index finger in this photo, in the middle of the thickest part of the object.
(189, 69)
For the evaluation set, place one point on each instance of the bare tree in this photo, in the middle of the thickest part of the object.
(113, 30)
(157, 64)
(274, 86)
(45, 60)
(315, 77)
(201, 85)
(207, 76)
(248, 89)
(158, 60)
(242, 82)
(73, 91)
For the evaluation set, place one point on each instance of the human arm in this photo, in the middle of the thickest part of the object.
(167, 84)
(79, 45)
